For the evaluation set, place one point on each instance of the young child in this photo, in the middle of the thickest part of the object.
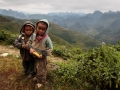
(27, 59)
(42, 44)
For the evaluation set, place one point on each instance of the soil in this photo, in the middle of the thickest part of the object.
(9, 49)
(14, 51)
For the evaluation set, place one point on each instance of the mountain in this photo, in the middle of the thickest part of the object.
(106, 20)
(49, 16)
(58, 34)
(12, 13)
(101, 26)
(110, 31)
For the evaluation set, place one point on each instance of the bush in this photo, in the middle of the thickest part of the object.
(97, 69)
(7, 37)
(65, 52)
(61, 51)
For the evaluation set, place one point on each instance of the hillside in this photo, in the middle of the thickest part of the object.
(101, 26)
(98, 67)
(58, 34)
(6, 23)
(108, 28)
(11, 77)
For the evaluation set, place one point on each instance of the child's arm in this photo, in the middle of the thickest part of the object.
(29, 43)
(30, 48)
(18, 43)
(49, 48)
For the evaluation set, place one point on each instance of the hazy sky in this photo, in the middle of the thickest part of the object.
(46, 6)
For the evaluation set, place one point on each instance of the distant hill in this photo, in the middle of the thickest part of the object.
(101, 26)
(108, 27)
(7, 24)
(12, 13)
(58, 34)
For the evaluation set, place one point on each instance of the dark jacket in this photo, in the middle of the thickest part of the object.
(23, 52)
(22, 40)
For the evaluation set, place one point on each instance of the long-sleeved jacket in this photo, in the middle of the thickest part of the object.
(44, 46)
(22, 40)
(23, 52)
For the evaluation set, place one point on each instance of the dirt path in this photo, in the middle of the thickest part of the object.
(9, 49)
(14, 51)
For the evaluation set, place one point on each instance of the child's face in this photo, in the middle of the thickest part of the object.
(41, 29)
(28, 30)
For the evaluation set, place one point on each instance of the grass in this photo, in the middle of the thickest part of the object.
(11, 77)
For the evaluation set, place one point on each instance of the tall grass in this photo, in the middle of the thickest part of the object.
(11, 77)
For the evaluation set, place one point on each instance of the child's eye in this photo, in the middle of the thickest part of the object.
(28, 30)
(41, 29)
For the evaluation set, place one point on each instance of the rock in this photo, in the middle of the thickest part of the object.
(11, 47)
(4, 54)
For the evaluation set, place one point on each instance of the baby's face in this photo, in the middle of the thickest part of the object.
(39, 38)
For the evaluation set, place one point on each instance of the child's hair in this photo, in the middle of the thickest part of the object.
(29, 23)
(42, 22)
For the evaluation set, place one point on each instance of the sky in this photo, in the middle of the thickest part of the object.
(47, 6)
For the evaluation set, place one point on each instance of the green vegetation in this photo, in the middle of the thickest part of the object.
(83, 68)
(7, 37)
(95, 69)
(73, 37)
(7, 24)
(58, 34)
(11, 77)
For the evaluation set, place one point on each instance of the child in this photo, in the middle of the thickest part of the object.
(42, 44)
(27, 59)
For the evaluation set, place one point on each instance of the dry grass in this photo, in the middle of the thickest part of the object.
(11, 77)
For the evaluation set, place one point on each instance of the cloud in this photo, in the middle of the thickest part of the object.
(45, 6)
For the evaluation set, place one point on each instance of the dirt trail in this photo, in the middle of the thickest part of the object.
(14, 51)
(9, 49)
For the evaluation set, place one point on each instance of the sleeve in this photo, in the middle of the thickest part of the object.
(18, 43)
(29, 43)
(49, 48)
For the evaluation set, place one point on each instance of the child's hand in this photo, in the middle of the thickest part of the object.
(40, 56)
(24, 46)
(32, 50)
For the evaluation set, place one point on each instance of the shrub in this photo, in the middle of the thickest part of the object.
(7, 37)
(61, 51)
(97, 69)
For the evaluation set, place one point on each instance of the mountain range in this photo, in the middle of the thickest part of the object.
(58, 34)
(98, 25)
